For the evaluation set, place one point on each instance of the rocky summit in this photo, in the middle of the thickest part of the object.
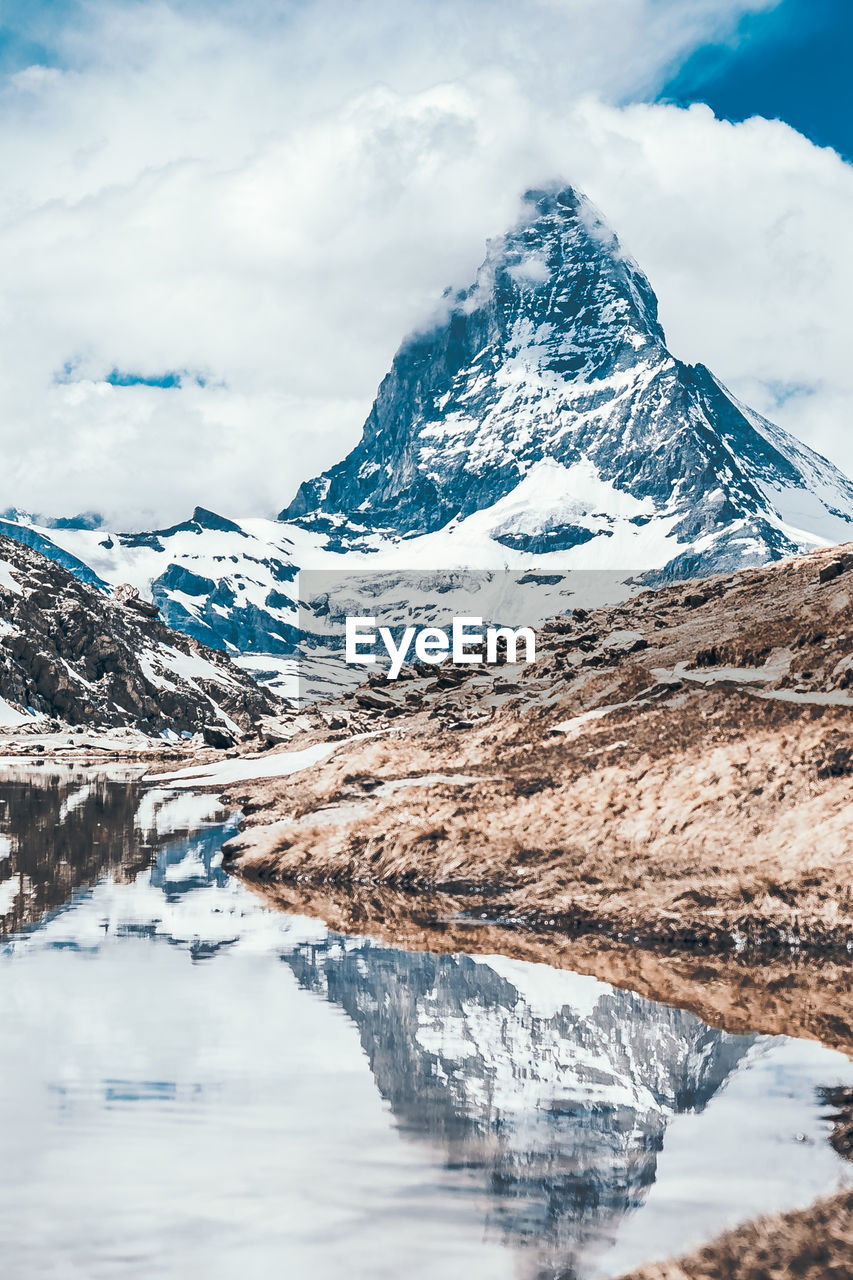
(545, 403)
(72, 654)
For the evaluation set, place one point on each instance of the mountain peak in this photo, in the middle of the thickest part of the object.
(470, 404)
(571, 271)
(548, 381)
(539, 421)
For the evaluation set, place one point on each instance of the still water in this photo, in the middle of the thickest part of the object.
(192, 1085)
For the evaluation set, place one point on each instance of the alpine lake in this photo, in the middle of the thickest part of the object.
(193, 1084)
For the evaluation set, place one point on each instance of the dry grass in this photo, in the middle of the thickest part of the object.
(812, 1244)
(693, 814)
(726, 839)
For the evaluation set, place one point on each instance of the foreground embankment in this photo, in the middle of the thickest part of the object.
(674, 770)
(812, 1244)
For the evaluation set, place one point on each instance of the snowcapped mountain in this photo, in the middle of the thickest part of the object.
(230, 585)
(21, 528)
(539, 422)
(544, 413)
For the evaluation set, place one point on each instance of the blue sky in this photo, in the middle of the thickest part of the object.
(793, 63)
(28, 30)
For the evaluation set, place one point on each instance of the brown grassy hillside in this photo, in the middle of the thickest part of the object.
(677, 768)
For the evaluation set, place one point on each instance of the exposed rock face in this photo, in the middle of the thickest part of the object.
(69, 651)
(549, 380)
(131, 599)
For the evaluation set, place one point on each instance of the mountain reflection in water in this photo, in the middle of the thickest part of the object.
(176, 1101)
(557, 1087)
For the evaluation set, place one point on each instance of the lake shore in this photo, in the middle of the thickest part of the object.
(670, 814)
(811, 1244)
(802, 996)
(674, 770)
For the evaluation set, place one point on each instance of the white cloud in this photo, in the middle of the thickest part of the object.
(742, 230)
(272, 204)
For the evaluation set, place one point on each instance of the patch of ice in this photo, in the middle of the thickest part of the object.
(576, 723)
(224, 772)
(146, 663)
(225, 718)
(8, 579)
(10, 717)
(771, 671)
(191, 666)
(75, 675)
(814, 697)
(9, 891)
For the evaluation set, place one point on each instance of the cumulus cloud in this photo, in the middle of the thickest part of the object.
(261, 201)
(741, 229)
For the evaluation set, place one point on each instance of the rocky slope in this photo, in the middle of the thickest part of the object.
(677, 768)
(229, 584)
(71, 653)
